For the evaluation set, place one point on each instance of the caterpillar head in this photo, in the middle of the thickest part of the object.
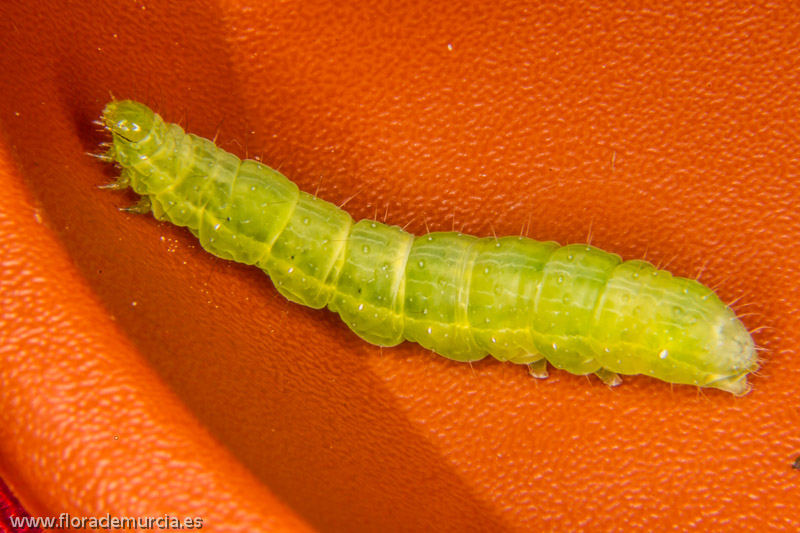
(137, 133)
(128, 120)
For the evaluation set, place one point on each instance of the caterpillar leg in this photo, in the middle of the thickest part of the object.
(121, 183)
(538, 369)
(611, 379)
(107, 156)
(117, 185)
(142, 207)
(537, 364)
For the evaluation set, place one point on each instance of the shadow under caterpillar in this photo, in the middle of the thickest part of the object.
(582, 309)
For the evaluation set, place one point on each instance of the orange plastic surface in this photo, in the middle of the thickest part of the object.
(142, 376)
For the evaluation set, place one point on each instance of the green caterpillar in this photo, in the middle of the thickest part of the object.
(580, 308)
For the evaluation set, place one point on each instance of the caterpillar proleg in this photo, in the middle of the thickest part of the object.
(582, 309)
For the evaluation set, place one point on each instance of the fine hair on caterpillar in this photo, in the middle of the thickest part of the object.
(577, 307)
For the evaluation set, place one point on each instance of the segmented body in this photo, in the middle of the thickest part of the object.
(580, 308)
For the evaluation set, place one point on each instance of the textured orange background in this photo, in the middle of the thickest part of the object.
(142, 376)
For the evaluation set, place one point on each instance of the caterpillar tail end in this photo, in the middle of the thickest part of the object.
(737, 353)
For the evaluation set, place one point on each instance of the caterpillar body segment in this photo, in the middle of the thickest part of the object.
(580, 308)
